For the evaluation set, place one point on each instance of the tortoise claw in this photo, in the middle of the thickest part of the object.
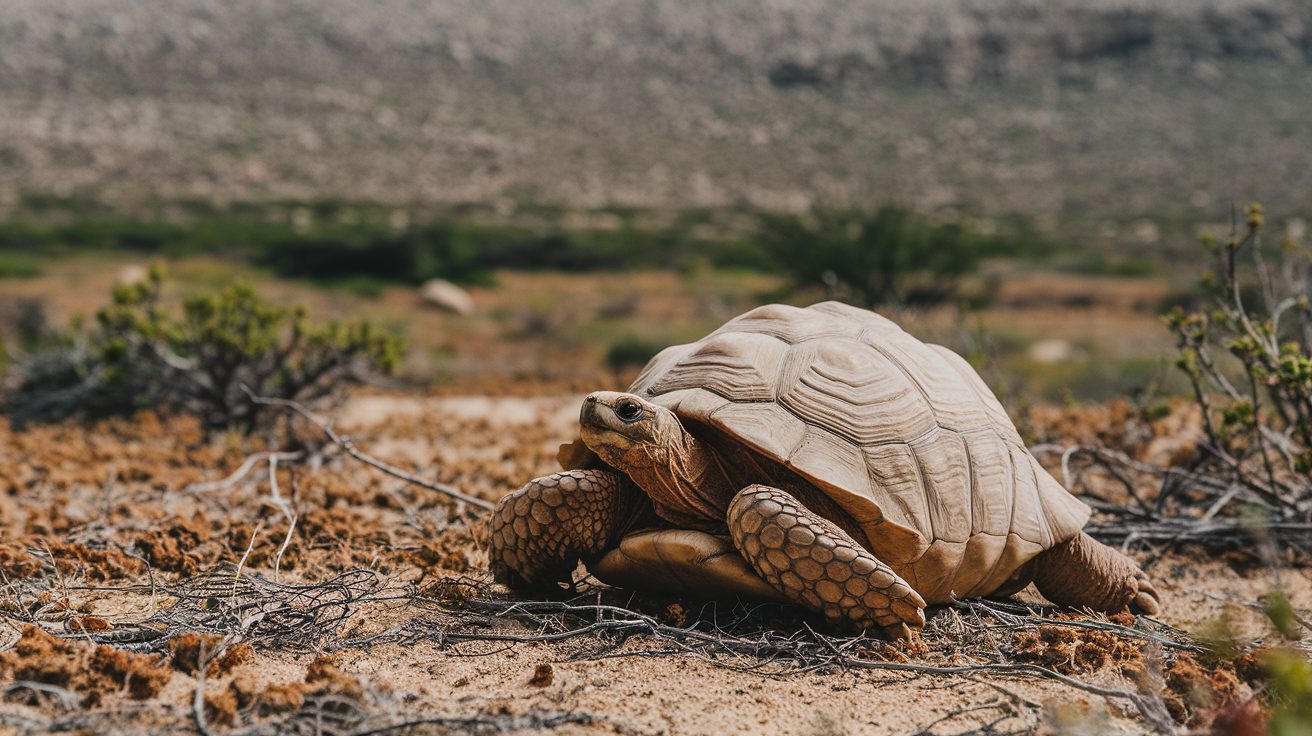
(1147, 601)
(899, 632)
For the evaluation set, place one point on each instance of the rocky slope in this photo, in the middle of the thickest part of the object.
(1111, 108)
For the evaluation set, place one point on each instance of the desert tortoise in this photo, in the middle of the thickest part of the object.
(817, 455)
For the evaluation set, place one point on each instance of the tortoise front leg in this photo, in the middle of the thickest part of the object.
(540, 532)
(817, 565)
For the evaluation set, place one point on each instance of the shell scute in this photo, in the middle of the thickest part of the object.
(741, 366)
(944, 467)
(990, 468)
(894, 470)
(953, 403)
(767, 428)
(853, 391)
(824, 455)
(988, 403)
(790, 324)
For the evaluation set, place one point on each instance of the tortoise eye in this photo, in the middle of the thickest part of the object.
(628, 411)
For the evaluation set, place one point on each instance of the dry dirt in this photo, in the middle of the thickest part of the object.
(106, 525)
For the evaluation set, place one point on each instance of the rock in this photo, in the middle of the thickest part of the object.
(129, 275)
(447, 296)
(1051, 351)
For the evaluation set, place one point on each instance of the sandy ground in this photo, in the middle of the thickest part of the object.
(77, 496)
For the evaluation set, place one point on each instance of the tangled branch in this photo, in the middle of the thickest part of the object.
(1173, 505)
(349, 448)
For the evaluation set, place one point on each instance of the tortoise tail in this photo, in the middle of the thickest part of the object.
(1085, 573)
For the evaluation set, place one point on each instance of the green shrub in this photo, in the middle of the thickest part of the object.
(632, 351)
(1291, 693)
(18, 266)
(892, 256)
(139, 353)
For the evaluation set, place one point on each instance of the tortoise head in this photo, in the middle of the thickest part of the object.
(627, 431)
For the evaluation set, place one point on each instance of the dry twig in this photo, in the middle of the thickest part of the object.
(349, 448)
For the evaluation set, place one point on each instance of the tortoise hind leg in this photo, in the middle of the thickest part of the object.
(817, 565)
(1085, 573)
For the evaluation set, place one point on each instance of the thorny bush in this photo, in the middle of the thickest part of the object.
(140, 353)
(1257, 403)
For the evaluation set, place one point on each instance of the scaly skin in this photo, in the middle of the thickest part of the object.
(818, 566)
(540, 532)
(1085, 573)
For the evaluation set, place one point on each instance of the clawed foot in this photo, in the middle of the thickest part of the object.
(1146, 600)
(817, 565)
(540, 532)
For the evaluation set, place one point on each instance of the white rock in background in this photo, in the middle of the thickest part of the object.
(133, 274)
(446, 296)
(1051, 351)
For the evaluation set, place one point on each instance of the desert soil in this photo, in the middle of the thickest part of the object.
(105, 525)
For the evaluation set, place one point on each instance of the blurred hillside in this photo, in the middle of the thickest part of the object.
(1066, 112)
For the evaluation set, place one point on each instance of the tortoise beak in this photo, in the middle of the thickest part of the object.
(599, 410)
(589, 415)
(601, 426)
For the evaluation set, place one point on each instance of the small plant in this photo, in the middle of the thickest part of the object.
(631, 351)
(18, 266)
(139, 353)
(892, 256)
(1249, 360)
(1291, 693)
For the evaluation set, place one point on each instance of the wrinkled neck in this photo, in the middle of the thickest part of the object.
(633, 511)
(685, 482)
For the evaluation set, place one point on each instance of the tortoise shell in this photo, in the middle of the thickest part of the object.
(903, 435)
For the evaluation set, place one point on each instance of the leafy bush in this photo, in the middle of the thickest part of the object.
(1249, 360)
(18, 266)
(890, 256)
(632, 350)
(463, 252)
(138, 353)
(1291, 691)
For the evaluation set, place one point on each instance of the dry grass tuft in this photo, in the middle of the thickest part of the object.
(94, 672)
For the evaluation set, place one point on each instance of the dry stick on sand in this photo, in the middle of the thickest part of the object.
(1192, 521)
(772, 654)
(198, 695)
(241, 472)
(349, 447)
(287, 511)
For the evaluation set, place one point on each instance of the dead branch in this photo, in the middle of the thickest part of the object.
(349, 448)
(1164, 523)
(1012, 615)
(198, 696)
(533, 721)
(241, 472)
(287, 511)
(67, 700)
